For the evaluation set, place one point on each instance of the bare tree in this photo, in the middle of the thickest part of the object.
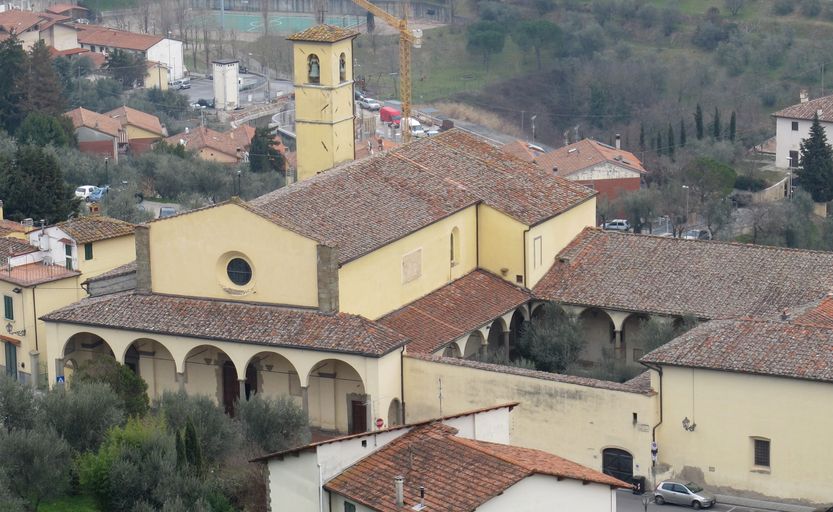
(734, 6)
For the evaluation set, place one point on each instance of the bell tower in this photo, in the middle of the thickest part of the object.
(324, 117)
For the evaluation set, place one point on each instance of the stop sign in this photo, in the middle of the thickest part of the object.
(380, 423)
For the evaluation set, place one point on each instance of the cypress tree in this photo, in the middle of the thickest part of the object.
(698, 122)
(716, 126)
(816, 171)
(732, 126)
(671, 142)
(33, 186)
(12, 70)
(682, 133)
(642, 137)
(659, 143)
(43, 92)
(180, 451)
(193, 452)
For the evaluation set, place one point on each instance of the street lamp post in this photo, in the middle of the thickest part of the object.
(106, 170)
(686, 202)
(533, 128)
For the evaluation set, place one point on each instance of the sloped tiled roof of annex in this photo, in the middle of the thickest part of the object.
(238, 322)
(808, 109)
(324, 34)
(458, 474)
(13, 247)
(752, 345)
(204, 137)
(364, 205)
(127, 115)
(21, 21)
(62, 8)
(127, 268)
(587, 153)
(99, 122)
(113, 38)
(674, 276)
(454, 310)
(92, 228)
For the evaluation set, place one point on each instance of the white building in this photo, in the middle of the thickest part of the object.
(154, 48)
(226, 84)
(792, 125)
(457, 463)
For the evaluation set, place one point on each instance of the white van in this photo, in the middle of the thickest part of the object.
(416, 128)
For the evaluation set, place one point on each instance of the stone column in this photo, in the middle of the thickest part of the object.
(242, 384)
(305, 400)
(34, 361)
(59, 371)
(618, 345)
(504, 338)
(180, 379)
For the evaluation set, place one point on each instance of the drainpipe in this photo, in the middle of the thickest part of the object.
(477, 235)
(35, 314)
(402, 385)
(525, 283)
(658, 369)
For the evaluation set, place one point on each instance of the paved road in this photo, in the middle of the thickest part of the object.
(203, 88)
(628, 502)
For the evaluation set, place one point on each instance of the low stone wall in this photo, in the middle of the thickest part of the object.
(769, 195)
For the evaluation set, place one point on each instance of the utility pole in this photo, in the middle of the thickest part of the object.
(533, 127)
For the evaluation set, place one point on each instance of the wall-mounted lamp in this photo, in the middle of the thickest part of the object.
(688, 424)
(16, 290)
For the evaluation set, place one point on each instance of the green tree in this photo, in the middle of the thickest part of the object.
(193, 450)
(129, 387)
(12, 71)
(671, 142)
(41, 129)
(17, 405)
(263, 155)
(660, 145)
(485, 38)
(83, 414)
(655, 332)
(181, 460)
(43, 92)
(682, 133)
(126, 67)
(733, 126)
(734, 6)
(642, 137)
(716, 128)
(698, 122)
(273, 425)
(639, 207)
(36, 463)
(537, 35)
(816, 170)
(553, 340)
(710, 178)
(33, 187)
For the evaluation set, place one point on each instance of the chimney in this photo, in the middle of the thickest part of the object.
(803, 96)
(785, 315)
(618, 141)
(399, 484)
(1, 211)
(818, 113)
(143, 276)
(421, 497)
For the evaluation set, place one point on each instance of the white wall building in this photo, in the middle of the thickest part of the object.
(226, 84)
(792, 125)
(154, 48)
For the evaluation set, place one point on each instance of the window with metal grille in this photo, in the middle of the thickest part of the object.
(8, 307)
(762, 452)
(239, 271)
(795, 126)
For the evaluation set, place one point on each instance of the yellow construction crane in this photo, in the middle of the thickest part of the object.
(407, 38)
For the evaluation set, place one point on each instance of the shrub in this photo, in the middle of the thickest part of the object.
(17, 405)
(127, 385)
(273, 424)
(750, 183)
(554, 340)
(37, 462)
(810, 8)
(783, 7)
(84, 414)
(218, 434)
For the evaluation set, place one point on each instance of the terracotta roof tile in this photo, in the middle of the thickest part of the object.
(454, 310)
(367, 204)
(21, 21)
(127, 268)
(521, 150)
(765, 347)
(91, 228)
(584, 154)
(13, 247)
(324, 34)
(808, 109)
(95, 121)
(457, 474)
(232, 143)
(819, 314)
(35, 273)
(62, 8)
(674, 276)
(130, 116)
(112, 38)
(237, 322)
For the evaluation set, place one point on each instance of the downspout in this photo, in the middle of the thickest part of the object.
(35, 314)
(658, 369)
(320, 488)
(477, 235)
(525, 283)
(402, 384)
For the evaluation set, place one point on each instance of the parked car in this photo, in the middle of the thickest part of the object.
(678, 493)
(204, 103)
(697, 234)
(617, 225)
(98, 194)
(358, 96)
(84, 191)
(416, 128)
(244, 70)
(184, 83)
(369, 104)
(166, 211)
(390, 116)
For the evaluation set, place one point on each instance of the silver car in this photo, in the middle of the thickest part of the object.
(678, 493)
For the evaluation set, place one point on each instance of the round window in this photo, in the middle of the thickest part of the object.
(239, 271)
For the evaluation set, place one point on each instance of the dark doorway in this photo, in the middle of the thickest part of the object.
(131, 359)
(358, 415)
(231, 388)
(618, 464)
(251, 381)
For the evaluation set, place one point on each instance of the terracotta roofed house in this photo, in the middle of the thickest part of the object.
(792, 125)
(73, 11)
(223, 147)
(98, 133)
(100, 39)
(143, 130)
(30, 27)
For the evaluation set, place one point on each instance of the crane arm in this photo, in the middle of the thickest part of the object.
(390, 19)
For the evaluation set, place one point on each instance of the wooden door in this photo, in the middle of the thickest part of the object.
(358, 414)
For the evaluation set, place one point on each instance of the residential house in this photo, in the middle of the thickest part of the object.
(143, 129)
(224, 147)
(98, 134)
(100, 39)
(792, 125)
(30, 27)
(12, 229)
(158, 76)
(608, 169)
(72, 11)
(743, 403)
(462, 463)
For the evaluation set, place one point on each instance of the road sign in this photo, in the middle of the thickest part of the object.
(380, 423)
(60, 379)
(654, 451)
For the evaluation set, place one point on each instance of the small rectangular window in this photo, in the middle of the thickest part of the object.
(88, 251)
(537, 252)
(349, 507)
(8, 307)
(761, 452)
(795, 126)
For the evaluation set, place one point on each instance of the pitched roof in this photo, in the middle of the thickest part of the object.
(122, 270)
(758, 346)
(324, 34)
(130, 116)
(808, 109)
(13, 247)
(95, 121)
(587, 153)
(819, 313)
(92, 228)
(62, 8)
(35, 273)
(9, 226)
(454, 310)
(674, 276)
(14, 21)
(237, 322)
(521, 150)
(113, 38)
(231, 143)
(457, 474)
(367, 204)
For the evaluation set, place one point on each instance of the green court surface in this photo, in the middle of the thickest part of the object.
(278, 23)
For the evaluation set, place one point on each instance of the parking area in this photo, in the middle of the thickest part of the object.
(627, 501)
(203, 88)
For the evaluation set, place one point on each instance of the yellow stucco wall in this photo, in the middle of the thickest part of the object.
(575, 422)
(63, 37)
(134, 132)
(328, 145)
(373, 285)
(212, 155)
(730, 409)
(554, 235)
(284, 265)
(107, 255)
(501, 243)
(328, 55)
(157, 77)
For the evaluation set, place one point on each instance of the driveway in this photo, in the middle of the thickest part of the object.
(203, 88)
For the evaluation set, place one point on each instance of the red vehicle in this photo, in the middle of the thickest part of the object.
(390, 116)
